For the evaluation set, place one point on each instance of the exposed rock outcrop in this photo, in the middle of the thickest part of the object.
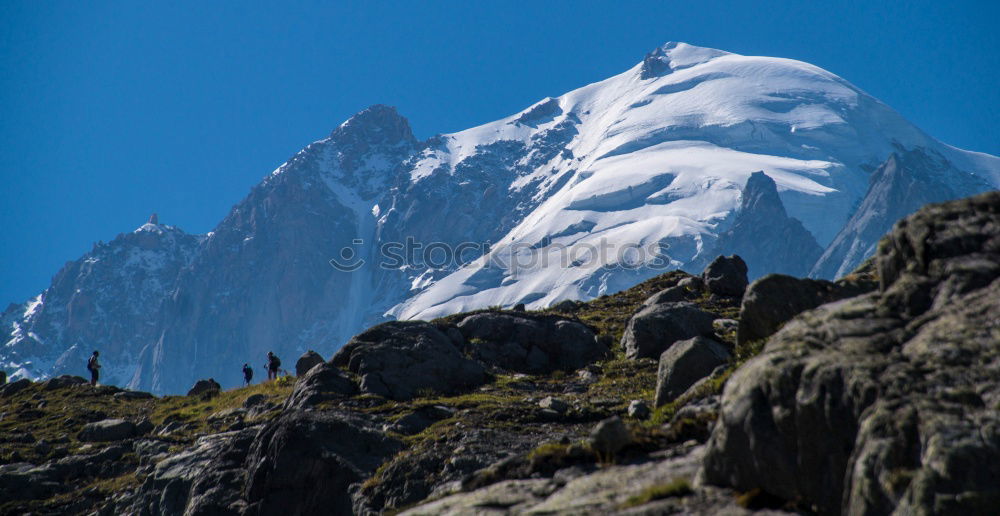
(304, 462)
(655, 328)
(726, 276)
(685, 363)
(772, 300)
(530, 343)
(884, 402)
(206, 387)
(321, 383)
(401, 359)
(307, 361)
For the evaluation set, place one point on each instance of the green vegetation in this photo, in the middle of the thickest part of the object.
(677, 487)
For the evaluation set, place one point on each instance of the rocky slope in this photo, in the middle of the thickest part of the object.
(575, 197)
(882, 402)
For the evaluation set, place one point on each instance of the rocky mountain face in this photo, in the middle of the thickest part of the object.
(109, 299)
(577, 196)
(878, 397)
(763, 234)
(908, 180)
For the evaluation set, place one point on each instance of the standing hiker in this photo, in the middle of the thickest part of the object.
(273, 365)
(247, 374)
(94, 367)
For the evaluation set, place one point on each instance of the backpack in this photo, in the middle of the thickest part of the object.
(91, 362)
(275, 362)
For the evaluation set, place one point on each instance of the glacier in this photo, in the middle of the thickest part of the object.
(651, 168)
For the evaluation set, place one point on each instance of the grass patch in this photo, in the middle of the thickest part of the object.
(676, 488)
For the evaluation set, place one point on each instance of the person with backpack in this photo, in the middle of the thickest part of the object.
(273, 365)
(247, 374)
(94, 367)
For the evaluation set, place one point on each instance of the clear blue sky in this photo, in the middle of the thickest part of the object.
(112, 110)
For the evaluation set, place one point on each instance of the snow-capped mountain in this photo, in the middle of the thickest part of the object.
(691, 153)
(109, 299)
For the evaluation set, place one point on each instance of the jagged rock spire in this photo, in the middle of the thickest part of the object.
(153, 219)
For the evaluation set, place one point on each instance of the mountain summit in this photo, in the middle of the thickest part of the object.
(577, 196)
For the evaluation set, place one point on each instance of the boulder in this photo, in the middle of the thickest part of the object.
(107, 430)
(685, 363)
(205, 386)
(256, 399)
(531, 344)
(638, 409)
(134, 395)
(420, 419)
(655, 328)
(13, 388)
(322, 382)
(610, 435)
(307, 361)
(669, 295)
(566, 306)
(206, 478)
(554, 404)
(62, 381)
(304, 462)
(403, 359)
(694, 284)
(886, 402)
(772, 300)
(726, 276)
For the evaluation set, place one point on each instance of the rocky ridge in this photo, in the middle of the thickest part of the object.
(880, 402)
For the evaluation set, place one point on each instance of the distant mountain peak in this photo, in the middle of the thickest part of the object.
(675, 55)
(377, 124)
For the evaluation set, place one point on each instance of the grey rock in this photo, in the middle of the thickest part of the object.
(254, 399)
(552, 403)
(694, 284)
(655, 328)
(304, 462)
(566, 306)
(726, 276)
(418, 420)
(638, 409)
(886, 402)
(529, 343)
(723, 326)
(13, 388)
(206, 387)
(107, 430)
(61, 382)
(307, 361)
(404, 359)
(668, 295)
(685, 363)
(134, 395)
(774, 299)
(610, 435)
(206, 478)
(323, 382)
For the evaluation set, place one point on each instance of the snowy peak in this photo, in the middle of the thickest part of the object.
(376, 125)
(675, 56)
